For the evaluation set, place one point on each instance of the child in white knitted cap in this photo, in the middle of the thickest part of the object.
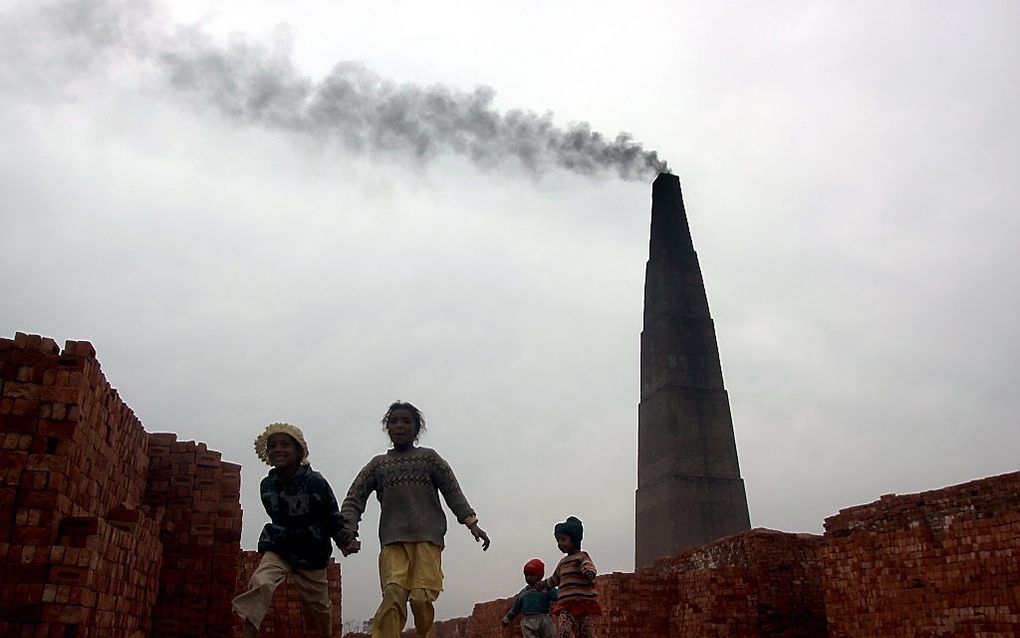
(304, 518)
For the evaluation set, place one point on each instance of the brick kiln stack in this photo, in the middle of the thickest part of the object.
(689, 487)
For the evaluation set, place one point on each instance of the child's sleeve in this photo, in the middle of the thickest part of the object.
(262, 495)
(357, 498)
(515, 609)
(446, 482)
(553, 581)
(330, 510)
(588, 567)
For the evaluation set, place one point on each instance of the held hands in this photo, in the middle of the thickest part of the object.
(345, 536)
(351, 547)
(347, 541)
(480, 535)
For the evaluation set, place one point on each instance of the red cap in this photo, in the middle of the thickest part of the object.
(534, 566)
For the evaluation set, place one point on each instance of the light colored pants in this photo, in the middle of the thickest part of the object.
(538, 626)
(409, 572)
(391, 616)
(312, 586)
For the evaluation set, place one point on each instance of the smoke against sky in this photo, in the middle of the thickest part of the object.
(257, 83)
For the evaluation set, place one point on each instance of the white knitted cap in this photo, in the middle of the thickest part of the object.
(281, 428)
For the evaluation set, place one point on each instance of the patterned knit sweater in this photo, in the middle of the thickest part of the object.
(576, 590)
(305, 518)
(407, 485)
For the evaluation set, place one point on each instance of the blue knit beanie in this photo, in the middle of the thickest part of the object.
(572, 527)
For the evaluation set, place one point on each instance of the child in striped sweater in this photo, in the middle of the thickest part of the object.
(577, 601)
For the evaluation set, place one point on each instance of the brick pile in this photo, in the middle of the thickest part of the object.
(752, 584)
(636, 605)
(942, 563)
(105, 583)
(201, 534)
(938, 563)
(755, 583)
(107, 531)
(486, 620)
(74, 470)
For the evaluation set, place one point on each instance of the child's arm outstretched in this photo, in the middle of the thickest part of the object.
(514, 610)
(549, 583)
(333, 521)
(353, 507)
(588, 567)
(445, 480)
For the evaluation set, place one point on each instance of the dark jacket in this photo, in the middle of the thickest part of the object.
(305, 518)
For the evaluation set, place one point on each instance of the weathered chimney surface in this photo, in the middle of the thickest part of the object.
(689, 487)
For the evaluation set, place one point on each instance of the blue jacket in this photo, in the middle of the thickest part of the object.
(305, 517)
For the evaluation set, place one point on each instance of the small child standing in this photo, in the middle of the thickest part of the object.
(533, 604)
(577, 601)
(305, 516)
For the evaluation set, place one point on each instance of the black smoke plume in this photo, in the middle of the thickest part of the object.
(258, 83)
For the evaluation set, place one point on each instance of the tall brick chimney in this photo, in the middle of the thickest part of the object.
(689, 486)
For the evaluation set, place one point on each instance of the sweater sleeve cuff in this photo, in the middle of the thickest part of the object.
(470, 520)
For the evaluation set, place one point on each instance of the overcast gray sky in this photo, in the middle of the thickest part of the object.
(850, 173)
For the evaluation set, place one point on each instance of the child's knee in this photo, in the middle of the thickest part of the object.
(395, 593)
(423, 596)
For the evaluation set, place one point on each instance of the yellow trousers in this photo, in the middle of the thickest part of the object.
(408, 573)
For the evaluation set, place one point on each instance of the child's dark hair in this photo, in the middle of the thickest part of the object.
(419, 419)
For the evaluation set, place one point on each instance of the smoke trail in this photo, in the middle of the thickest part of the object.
(257, 83)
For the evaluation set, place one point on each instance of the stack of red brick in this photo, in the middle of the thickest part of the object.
(201, 535)
(756, 583)
(945, 562)
(637, 604)
(942, 563)
(107, 531)
(284, 617)
(486, 620)
(75, 552)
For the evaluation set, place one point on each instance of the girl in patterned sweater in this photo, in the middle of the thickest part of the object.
(577, 601)
(407, 480)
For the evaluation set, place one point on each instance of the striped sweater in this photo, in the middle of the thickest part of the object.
(575, 577)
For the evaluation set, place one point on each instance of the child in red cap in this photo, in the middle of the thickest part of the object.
(533, 604)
